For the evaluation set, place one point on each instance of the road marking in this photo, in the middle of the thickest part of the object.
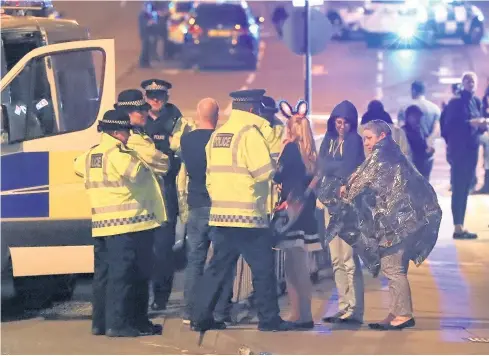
(250, 78)
(484, 48)
(449, 80)
(380, 55)
(380, 78)
(318, 70)
(171, 71)
(380, 66)
(379, 93)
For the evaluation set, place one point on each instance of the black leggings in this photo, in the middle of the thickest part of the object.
(462, 177)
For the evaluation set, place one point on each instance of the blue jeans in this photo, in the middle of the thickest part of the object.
(198, 242)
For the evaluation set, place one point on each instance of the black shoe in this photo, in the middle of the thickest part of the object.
(308, 325)
(349, 320)
(126, 332)
(98, 331)
(379, 326)
(465, 235)
(158, 306)
(151, 329)
(282, 325)
(207, 325)
(333, 319)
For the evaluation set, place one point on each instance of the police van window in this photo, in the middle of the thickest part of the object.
(16, 46)
(53, 95)
(78, 76)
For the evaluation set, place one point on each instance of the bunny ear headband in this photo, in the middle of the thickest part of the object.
(301, 109)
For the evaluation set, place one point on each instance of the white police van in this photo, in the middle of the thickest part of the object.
(55, 85)
(409, 22)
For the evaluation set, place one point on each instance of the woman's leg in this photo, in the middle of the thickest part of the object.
(297, 272)
(394, 266)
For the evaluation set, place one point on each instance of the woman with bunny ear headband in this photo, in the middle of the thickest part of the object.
(296, 168)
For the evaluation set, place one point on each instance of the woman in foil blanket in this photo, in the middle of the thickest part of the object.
(390, 215)
(296, 168)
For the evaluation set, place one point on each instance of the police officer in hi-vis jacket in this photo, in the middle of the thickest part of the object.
(239, 170)
(127, 207)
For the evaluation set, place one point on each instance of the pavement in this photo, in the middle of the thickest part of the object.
(449, 291)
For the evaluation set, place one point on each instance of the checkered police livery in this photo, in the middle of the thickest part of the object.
(459, 19)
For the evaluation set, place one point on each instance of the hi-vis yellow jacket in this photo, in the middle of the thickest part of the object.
(239, 169)
(123, 190)
(147, 151)
(182, 126)
(274, 142)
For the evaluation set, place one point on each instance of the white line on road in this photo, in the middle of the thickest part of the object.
(380, 55)
(380, 78)
(170, 71)
(379, 93)
(380, 66)
(449, 80)
(250, 78)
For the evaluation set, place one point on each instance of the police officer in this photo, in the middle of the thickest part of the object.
(165, 125)
(239, 172)
(118, 182)
(274, 143)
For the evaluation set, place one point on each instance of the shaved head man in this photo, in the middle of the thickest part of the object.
(199, 203)
(207, 113)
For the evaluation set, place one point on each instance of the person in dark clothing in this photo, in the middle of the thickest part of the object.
(198, 231)
(421, 152)
(485, 144)
(146, 26)
(278, 19)
(462, 137)
(162, 119)
(340, 154)
(376, 111)
(296, 169)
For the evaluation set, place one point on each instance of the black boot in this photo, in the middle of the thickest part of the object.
(485, 188)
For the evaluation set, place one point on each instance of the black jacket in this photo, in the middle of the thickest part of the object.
(456, 129)
(341, 161)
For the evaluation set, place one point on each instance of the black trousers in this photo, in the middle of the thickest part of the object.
(462, 177)
(164, 269)
(144, 57)
(424, 166)
(120, 282)
(255, 245)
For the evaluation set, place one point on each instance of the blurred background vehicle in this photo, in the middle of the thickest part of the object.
(29, 8)
(414, 22)
(220, 33)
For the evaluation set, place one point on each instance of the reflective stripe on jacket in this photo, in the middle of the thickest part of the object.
(275, 145)
(147, 151)
(123, 191)
(182, 126)
(239, 170)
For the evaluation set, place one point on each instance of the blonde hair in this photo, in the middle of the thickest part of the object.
(299, 131)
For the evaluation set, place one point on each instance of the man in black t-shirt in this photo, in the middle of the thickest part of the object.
(193, 155)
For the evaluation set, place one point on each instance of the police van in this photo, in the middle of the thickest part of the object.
(409, 22)
(55, 85)
(29, 8)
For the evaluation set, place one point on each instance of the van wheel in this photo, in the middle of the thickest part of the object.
(34, 292)
(64, 287)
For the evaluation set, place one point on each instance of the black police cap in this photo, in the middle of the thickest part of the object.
(131, 100)
(248, 96)
(114, 120)
(153, 85)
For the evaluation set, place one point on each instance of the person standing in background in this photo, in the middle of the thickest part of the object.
(376, 111)
(146, 26)
(485, 143)
(340, 154)
(421, 152)
(462, 135)
(430, 124)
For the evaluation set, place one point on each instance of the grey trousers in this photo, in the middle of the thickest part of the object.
(394, 265)
(348, 277)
